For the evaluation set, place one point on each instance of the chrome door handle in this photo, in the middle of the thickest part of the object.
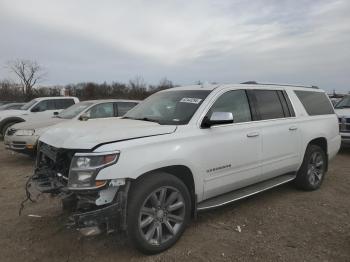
(253, 134)
(292, 128)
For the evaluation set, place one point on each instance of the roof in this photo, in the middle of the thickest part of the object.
(247, 85)
(97, 101)
(54, 97)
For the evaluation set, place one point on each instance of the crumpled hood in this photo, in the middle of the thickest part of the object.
(38, 124)
(343, 112)
(88, 134)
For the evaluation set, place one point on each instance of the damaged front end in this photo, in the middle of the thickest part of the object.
(96, 206)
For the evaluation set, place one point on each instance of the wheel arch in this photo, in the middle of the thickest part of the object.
(322, 143)
(183, 173)
(8, 120)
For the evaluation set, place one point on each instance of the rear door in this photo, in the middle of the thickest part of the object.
(280, 132)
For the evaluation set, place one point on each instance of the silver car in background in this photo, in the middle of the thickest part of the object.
(11, 106)
(23, 137)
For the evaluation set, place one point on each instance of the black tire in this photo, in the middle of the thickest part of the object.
(141, 197)
(312, 171)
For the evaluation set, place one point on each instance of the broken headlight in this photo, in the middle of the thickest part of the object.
(85, 167)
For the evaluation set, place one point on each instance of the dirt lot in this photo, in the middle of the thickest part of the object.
(282, 224)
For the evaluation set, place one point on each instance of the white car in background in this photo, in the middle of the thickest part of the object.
(342, 109)
(42, 108)
(23, 137)
(11, 106)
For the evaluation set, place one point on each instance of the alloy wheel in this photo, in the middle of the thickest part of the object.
(162, 215)
(315, 169)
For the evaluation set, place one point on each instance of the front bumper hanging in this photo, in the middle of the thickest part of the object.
(88, 217)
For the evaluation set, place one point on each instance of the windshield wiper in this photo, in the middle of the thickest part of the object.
(142, 119)
(340, 107)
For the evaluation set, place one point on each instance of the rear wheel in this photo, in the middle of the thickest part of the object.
(159, 209)
(313, 169)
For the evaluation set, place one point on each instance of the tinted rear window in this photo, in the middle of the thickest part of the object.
(315, 103)
(268, 104)
(64, 103)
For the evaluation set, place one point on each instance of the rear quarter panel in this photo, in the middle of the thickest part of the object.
(312, 127)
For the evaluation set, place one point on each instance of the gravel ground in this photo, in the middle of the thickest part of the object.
(282, 224)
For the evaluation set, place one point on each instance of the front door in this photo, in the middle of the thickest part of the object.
(232, 157)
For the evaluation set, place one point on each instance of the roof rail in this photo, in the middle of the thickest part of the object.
(272, 84)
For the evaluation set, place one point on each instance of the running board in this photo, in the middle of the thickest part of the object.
(244, 192)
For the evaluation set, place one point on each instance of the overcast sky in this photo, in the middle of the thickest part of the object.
(226, 41)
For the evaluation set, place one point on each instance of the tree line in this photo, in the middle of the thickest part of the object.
(29, 73)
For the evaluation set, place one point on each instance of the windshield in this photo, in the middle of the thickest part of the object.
(74, 110)
(169, 108)
(28, 105)
(344, 103)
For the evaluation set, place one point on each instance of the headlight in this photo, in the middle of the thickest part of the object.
(24, 132)
(85, 167)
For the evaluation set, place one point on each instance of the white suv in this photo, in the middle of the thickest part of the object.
(184, 150)
(42, 108)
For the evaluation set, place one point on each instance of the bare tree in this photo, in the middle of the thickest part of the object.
(29, 73)
(164, 83)
(137, 83)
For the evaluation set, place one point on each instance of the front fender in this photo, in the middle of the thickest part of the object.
(7, 120)
(134, 163)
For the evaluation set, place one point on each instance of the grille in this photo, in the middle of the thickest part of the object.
(55, 159)
(18, 144)
(344, 125)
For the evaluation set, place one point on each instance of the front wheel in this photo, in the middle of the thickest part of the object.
(159, 209)
(313, 169)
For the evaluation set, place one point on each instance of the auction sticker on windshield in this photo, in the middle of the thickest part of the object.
(190, 100)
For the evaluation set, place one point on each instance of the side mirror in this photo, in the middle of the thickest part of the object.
(84, 117)
(217, 118)
(55, 113)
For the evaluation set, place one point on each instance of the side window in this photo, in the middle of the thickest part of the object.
(63, 103)
(44, 105)
(124, 107)
(268, 104)
(289, 104)
(235, 102)
(101, 111)
(315, 103)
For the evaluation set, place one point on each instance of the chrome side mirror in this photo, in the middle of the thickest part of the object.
(217, 118)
